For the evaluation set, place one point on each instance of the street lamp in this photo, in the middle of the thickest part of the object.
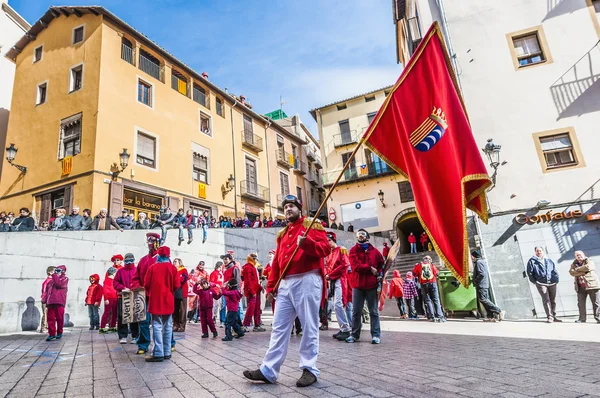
(381, 194)
(124, 161)
(228, 186)
(493, 153)
(11, 152)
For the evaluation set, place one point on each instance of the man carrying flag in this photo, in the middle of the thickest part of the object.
(428, 140)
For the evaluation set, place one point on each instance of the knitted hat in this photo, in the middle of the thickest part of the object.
(116, 257)
(291, 199)
(233, 283)
(332, 236)
(476, 253)
(164, 251)
(152, 235)
(129, 258)
(111, 271)
(62, 268)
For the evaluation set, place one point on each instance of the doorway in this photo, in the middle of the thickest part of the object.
(407, 223)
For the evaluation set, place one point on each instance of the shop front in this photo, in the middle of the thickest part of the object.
(135, 201)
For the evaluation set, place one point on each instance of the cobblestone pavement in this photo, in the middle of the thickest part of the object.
(85, 363)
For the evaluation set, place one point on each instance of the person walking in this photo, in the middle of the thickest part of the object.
(587, 285)
(160, 283)
(336, 268)
(153, 242)
(543, 274)
(122, 283)
(481, 280)
(56, 302)
(367, 266)
(207, 294)
(427, 273)
(300, 291)
(412, 240)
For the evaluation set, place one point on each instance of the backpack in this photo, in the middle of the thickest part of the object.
(426, 272)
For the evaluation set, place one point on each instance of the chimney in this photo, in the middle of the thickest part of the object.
(243, 100)
(205, 75)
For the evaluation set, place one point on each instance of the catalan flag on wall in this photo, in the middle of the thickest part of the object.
(67, 165)
(202, 190)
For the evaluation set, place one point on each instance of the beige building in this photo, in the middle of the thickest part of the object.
(528, 72)
(370, 194)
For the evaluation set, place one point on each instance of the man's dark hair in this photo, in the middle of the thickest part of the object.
(88, 211)
(25, 209)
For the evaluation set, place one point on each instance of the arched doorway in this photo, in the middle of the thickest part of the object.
(406, 222)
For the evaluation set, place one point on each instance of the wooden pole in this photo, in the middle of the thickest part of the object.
(323, 204)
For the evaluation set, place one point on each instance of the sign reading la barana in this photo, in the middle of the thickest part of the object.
(523, 219)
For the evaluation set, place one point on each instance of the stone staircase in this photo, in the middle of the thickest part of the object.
(406, 262)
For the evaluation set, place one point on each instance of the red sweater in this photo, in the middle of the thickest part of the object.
(251, 284)
(94, 292)
(337, 268)
(109, 289)
(142, 268)
(309, 256)
(417, 273)
(412, 239)
(396, 290)
(216, 277)
(123, 278)
(160, 283)
(361, 261)
(183, 276)
(206, 297)
(233, 298)
(45, 289)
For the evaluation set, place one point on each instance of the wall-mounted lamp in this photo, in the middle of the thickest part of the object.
(381, 194)
(11, 152)
(228, 186)
(493, 153)
(124, 160)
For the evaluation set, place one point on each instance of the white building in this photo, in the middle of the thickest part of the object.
(12, 28)
(528, 72)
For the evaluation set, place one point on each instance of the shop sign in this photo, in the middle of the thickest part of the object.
(252, 209)
(142, 200)
(593, 217)
(523, 219)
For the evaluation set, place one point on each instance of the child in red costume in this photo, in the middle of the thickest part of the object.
(252, 290)
(207, 293)
(56, 301)
(110, 303)
(93, 300)
(233, 297)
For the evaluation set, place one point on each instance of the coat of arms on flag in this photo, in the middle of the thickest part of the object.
(430, 132)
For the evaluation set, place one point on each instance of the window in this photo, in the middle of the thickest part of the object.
(596, 4)
(179, 83)
(371, 116)
(70, 136)
(370, 98)
(386, 92)
(529, 47)
(38, 53)
(205, 123)
(78, 34)
(146, 150)
(341, 107)
(200, 168)
(299, 194)
(406, 192)
(199, 95)
(42, 93)
(558, 149)
(76, 78)
(126, 50)
(220, 108)
(284, 183)
(144, 93)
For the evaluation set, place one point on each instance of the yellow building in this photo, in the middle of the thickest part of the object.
(370, 194)
(87, 86)
(294, 164)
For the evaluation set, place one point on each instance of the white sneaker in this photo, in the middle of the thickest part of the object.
(501, 315)
(123, 340)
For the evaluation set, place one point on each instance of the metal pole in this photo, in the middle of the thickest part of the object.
(234, 173)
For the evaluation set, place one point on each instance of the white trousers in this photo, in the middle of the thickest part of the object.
(340, 312)
(298, 295)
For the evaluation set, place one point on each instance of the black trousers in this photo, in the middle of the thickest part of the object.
(123, 328)
(483, 295)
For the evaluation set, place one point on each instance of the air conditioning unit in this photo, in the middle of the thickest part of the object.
(58, 203)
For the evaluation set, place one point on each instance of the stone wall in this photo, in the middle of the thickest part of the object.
(24, 258)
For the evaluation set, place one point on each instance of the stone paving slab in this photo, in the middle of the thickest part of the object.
(87, 364)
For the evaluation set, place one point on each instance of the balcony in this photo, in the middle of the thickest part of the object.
(254, 191)
(299, 167)
(252, 141)
(150, 65)
(199, 95)
(314, 205)
(318, 164)
(369, 170)
(179, 84)
(344, 139)
(284, 159)
(127, 53)
(313, 178)
(310, 154)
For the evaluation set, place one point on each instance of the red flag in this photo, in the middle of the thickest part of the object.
(422, 131)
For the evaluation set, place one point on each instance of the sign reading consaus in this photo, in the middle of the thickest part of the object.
(548, 217)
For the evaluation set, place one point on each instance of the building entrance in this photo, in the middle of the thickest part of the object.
(406, 224)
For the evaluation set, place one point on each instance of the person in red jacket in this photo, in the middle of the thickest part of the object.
(121, 283)
(427, 273)
(397, 292)
(336, 268)
(367, 266)
(252, 290)
(266, 273)
(217, 279)
(181, 294)
(160, 283)
(386, 250)
(153, 242)
(207, 294)
(44, 298)
(299, 283)
(412, 239)
(93, 298)
(424, 239)
(233, 294)
(56, 301)
(110, 314)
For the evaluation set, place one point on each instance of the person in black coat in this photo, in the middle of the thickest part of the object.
(481, 280)
(23, 223)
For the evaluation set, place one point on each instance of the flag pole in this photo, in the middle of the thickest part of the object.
(363, 139)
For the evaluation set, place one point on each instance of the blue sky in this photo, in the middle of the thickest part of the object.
(311, 52)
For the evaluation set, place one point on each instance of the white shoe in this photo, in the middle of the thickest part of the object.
(501, 315)
(123, 340)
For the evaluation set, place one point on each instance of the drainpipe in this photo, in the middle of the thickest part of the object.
(234, 172)
(268, 168)
(449, 42)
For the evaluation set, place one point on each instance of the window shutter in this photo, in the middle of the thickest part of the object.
(145, 146)
(116, 200)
